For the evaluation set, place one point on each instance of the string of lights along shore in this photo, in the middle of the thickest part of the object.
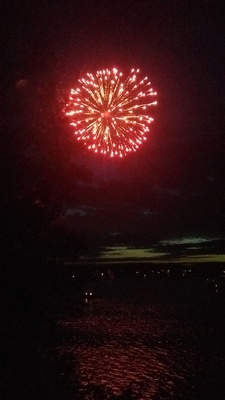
(109, 111)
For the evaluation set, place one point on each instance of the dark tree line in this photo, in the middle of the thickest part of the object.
(38, 175)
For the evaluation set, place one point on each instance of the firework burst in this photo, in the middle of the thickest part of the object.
(109, 111)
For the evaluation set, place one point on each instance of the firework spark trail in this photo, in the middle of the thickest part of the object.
(109, 112)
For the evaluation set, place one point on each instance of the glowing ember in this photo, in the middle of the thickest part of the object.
(110, 112)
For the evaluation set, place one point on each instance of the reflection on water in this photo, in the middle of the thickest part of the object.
(150, 347)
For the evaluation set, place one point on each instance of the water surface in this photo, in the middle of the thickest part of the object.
(163, 351)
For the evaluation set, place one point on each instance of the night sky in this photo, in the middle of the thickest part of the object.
(174, 186)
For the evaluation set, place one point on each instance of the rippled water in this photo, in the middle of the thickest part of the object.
(153, 348)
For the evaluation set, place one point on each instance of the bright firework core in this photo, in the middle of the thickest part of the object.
(109, 111)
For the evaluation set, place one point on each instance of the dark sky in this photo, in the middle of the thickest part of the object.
(176, 182)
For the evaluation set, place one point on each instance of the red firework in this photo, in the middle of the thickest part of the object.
(109, 111)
